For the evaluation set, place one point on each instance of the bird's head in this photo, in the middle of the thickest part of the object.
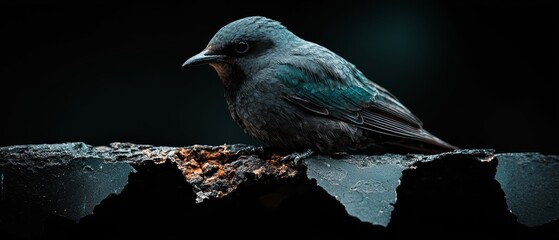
(242, 46)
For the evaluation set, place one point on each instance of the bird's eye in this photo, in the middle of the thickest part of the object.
(241, 47)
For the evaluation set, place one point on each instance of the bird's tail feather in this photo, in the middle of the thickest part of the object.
(431, 145)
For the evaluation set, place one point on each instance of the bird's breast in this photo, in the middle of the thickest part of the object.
(260, 110)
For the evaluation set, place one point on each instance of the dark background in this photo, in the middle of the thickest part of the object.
(478, 74)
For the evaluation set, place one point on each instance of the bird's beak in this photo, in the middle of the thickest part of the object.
(206, 56)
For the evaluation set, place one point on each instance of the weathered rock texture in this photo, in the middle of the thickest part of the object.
(127, 191)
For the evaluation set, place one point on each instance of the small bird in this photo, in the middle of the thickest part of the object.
(299, 96)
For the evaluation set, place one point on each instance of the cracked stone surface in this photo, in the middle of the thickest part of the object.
(531, 184)
(365, 185)
(47, 189)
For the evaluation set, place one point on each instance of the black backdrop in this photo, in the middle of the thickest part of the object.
(479, 74)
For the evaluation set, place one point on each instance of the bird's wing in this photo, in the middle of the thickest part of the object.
(331, 86)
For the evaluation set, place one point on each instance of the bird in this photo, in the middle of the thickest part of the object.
(298, 96)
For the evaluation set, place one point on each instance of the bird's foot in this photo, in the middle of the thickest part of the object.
(296, 157)
(247, 150)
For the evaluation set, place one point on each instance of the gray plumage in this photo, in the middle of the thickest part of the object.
(297, 95)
